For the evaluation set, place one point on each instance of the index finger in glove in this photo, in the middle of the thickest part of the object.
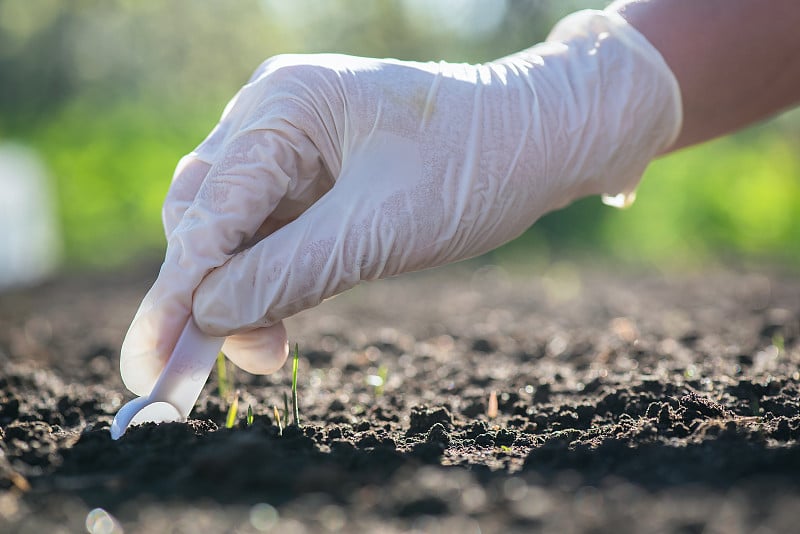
(189, 176)
(371, 224)
(261, 351)
(193, 168)
(252, 175)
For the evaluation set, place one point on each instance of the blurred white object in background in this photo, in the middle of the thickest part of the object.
(30, 245)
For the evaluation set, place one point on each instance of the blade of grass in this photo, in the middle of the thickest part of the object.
(295, 407)
(383, 374)
(233, 411)
(222, 376)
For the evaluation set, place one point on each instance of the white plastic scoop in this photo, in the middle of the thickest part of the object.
(179, 385)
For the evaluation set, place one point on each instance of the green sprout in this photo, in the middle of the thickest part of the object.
(223, 384)
(383, 373)
(295, 408)
(779, 343)
(378, 380)
(225, 387)
(233, 411)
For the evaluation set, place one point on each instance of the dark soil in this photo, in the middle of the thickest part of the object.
(624, 403)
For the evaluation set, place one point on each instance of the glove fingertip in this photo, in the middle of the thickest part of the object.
(148, 345)
(139, 365)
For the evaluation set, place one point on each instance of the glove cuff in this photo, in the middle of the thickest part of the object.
(652, 113)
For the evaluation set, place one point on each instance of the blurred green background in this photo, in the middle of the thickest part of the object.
(111, 93)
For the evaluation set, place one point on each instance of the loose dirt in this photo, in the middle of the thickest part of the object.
(624, 403)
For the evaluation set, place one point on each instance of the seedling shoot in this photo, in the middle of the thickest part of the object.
(233, 411)
(295, 408)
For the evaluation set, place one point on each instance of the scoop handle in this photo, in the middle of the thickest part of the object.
(187, 369)
(179, 385)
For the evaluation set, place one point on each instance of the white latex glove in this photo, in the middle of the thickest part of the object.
(358, 169)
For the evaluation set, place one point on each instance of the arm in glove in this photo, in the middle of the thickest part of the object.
(328, 170)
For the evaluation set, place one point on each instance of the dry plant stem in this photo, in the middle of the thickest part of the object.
(491, 411)
(277, 419)
(285, 410)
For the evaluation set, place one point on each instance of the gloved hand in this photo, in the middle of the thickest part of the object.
(327, 170)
